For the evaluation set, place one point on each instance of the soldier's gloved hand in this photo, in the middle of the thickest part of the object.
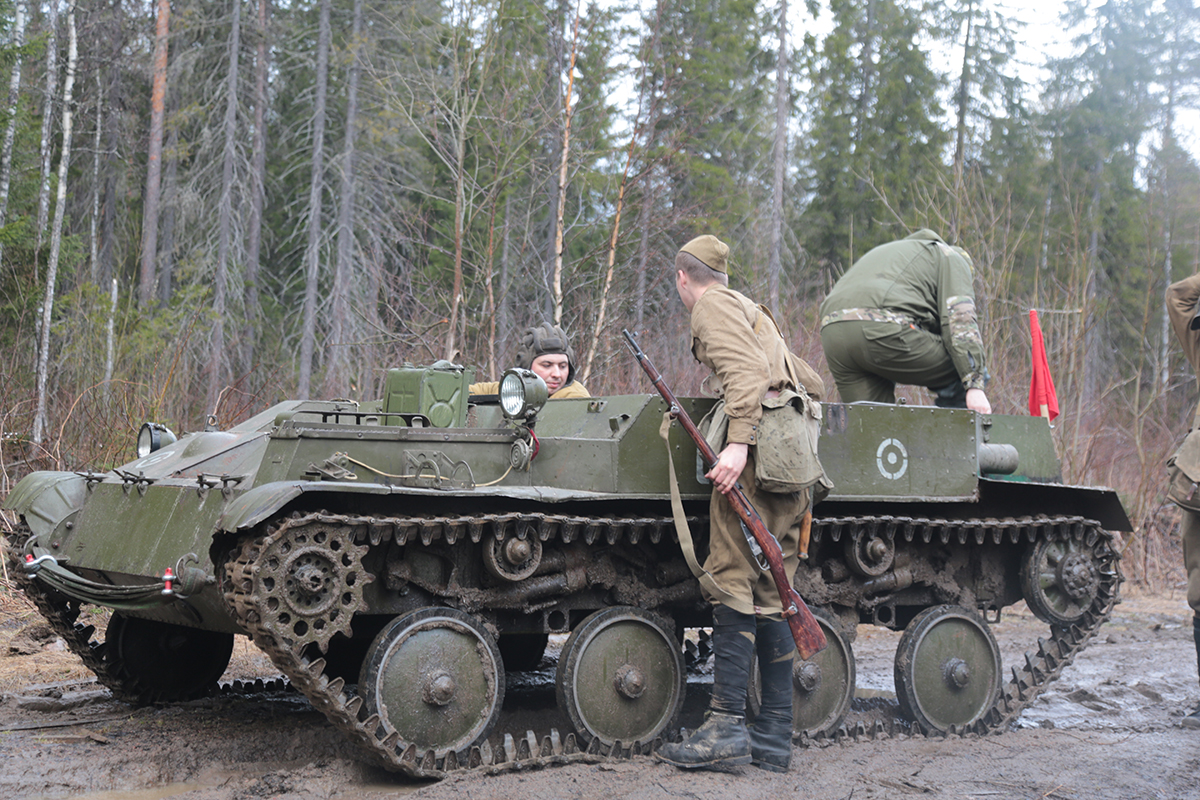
(730, 463)
(977, 401)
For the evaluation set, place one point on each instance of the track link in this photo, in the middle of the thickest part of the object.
(1043, 663)
(347, 712)
(62, 614)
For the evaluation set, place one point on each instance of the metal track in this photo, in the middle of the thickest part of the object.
(62, 614)
(347, 712)
(1043, 663)
(528, 750)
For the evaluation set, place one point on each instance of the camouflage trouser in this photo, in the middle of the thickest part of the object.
(729, 560)
(868, 359)
(1189, 528)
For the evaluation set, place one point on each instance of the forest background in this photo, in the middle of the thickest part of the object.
(206, 207)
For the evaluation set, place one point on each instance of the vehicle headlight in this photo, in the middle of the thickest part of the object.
(522, 393)
(154, 436)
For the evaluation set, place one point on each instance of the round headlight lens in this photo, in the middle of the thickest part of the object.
(153, 436)
(522, 393)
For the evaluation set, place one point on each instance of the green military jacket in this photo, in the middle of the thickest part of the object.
(918, 280)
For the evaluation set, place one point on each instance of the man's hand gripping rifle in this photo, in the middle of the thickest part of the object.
(810, 640)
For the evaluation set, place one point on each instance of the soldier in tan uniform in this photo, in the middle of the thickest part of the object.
(546, 350)
(905, 313)
(1182, 299)
(741, 344)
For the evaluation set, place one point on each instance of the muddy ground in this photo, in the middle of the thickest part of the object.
(1109, 728)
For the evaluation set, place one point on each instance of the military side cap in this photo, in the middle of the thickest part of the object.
(711, 250)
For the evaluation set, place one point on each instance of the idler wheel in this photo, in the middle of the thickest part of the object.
(434, 677)
(822, 687)
(948, 670)
(163, 663)
(621, 676)
(1060, 579)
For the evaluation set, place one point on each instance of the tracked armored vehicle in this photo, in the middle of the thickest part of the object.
(397, 559)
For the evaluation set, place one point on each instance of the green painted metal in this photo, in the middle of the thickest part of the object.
(948, 668)
(172, 507)
(905, 453)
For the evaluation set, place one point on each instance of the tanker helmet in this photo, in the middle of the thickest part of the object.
(545, 339)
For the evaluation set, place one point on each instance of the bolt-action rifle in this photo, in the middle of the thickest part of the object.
(807, 633)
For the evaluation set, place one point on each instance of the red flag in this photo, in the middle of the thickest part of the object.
(1042, 399)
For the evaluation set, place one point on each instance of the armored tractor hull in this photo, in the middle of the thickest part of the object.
(396, 559)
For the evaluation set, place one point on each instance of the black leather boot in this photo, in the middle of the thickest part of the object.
(723, 740)
(1192, 720)
(771, 733)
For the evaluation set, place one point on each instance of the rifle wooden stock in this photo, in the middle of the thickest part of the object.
(806, 631)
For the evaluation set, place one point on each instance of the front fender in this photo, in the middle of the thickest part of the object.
(263, 502)
(45, 499)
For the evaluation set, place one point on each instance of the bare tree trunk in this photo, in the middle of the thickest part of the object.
(108, 208)
(775, 254)
(10, 131)
(612, 259)
(158, 95)
(553, 98)
(47, 124)
(460, 201)
(960, 134)
(1164, 361)
(257, 188)
(216, 364)
(94, 222)
(505, 322)
(643, 261)
(312, 250)
(489, 282)
(336, 376)
(109, 341)
(564, 159)
(169, 214)
(60, 207)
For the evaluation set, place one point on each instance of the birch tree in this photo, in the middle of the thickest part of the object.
(48, 120)
(39, 420)
(10, 129)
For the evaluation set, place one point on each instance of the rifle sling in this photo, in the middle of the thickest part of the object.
(714, 589)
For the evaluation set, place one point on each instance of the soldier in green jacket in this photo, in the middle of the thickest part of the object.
(905, 313)
(1182, 299)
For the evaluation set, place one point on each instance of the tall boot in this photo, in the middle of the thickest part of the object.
(1192, 720)
(722, 741)
(771, 733)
